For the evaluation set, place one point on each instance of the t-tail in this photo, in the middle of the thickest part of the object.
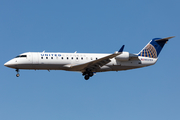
(154, 47)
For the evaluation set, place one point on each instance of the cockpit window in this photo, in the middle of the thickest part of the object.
(21, 56)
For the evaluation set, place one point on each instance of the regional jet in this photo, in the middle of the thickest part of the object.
(89, 63)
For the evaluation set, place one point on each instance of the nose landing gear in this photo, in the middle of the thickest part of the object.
(17, 75)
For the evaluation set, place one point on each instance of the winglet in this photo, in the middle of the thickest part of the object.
(121, 49)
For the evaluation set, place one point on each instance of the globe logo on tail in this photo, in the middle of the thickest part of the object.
(149, 51)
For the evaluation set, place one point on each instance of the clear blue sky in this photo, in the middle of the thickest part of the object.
(94, 26)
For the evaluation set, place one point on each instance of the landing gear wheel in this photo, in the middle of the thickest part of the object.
(87, 74)
(17, 75)
(86, 77)
(91, 74)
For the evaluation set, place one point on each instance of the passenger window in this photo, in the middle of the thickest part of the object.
(51, 57)
(72, 58)
(62, 58)
(82, 58)
(67, 58)
(41, 57)
(46, 57)
(77, 58)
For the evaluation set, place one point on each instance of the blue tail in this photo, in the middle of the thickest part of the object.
(153, 48)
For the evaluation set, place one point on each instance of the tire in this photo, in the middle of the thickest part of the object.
(90, 74)
(86, 77)
(17, 75)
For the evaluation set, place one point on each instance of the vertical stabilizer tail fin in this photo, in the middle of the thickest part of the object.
(154, 47)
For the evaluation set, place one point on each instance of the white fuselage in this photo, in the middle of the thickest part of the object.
(89, 63)
(64, 61)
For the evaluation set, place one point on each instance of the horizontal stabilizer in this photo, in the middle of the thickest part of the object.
(154, 47)
(164, 39)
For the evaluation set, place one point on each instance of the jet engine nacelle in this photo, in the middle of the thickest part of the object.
(124, 56)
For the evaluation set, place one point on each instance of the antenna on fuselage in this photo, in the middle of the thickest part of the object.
(43, 51)
(75, 52)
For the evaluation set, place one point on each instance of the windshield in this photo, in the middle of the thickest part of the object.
(19, 56)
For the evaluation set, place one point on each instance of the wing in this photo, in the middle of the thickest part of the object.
(96, 64)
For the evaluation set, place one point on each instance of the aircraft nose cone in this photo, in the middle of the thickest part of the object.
(9, 64)
(6, 64)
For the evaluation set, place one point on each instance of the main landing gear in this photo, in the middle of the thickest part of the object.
(17, 75)
(87, 74)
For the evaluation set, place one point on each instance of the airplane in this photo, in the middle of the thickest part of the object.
(89, 63)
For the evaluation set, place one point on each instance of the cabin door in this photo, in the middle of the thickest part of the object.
(35, 58)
